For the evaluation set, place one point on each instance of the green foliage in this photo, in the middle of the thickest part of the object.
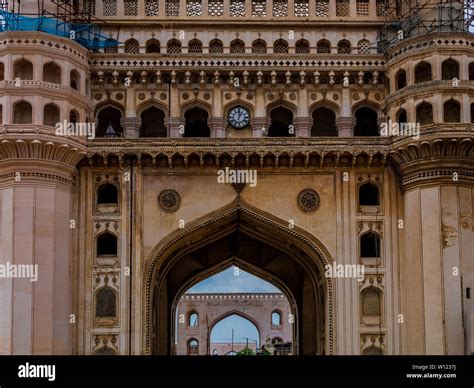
(246, 352)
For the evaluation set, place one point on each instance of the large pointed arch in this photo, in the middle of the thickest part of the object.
(296, 246)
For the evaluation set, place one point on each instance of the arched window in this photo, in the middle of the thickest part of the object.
(106, 305)
(73, 116)
(401, 79)
(371, 302)
(323, 47)
(452, 111)
(107, 194)
(216, 46)
(302, 47)
(276, 318)
(196, 123)
(259, 47)
(52, 73)
(132, 46)
(366, 122)
(153, 123)
(402, 116)
(23, 70)
(372, 350)
(193, 347)
(324, 122)
(450, 69)
(50, 115)
(471, 71)
(370, 245)
(106, 245)
(280, 46)
(363, 46)
(153, 46)
(193, 319)
(22, 113)
(281, 119)
(472, 112)
(195, 46)
(369, 195)
(173, 47)
(423, 72)
(75, 81)
(109, 122)
(424, 113)
(237, 47)
(344, 47)
(276, 340)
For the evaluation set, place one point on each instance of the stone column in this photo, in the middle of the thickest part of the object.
(257, 124)
(218, 126)
(302, 126)
(437, 265)
(173, 124)
(345, 126)
(36, 213)
(131, 127)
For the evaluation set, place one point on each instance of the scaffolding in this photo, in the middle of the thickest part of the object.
(70, 19)
(409, 18)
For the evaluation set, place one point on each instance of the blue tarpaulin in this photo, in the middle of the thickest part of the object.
(88, 35)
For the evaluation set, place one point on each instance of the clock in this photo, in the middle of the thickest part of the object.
(239, 117)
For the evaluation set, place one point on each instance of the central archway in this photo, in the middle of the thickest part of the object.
(293, 259)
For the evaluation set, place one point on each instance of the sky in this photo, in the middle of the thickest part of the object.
(233, 280)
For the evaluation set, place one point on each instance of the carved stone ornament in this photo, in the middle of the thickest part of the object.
(169, 200)
(308, 200)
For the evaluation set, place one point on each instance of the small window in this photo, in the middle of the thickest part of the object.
(276, 318)
(370, 245)
(107, 194)
(401, 79)
(423, 72)
(369, 195)
(450, 69)
(107, 245)
(193, 347)
(193, 320)
(452, 111)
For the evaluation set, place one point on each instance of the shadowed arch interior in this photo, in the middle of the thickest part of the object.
(265, 249)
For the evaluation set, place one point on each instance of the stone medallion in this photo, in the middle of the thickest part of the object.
(308, 200)
(169, 200)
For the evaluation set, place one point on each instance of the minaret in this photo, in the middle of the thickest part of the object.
(430, 78)
(43, 90)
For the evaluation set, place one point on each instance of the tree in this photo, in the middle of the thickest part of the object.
(246, 352)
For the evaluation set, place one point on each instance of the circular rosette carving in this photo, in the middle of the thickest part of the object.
(308, 200)
(169, 200)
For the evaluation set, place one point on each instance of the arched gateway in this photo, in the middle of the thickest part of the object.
(264, 245)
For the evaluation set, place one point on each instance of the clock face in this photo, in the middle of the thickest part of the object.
(239, 117)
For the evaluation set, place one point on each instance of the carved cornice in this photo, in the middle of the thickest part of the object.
(436, 158)
(241, 153)
(39, 146)
(182, 62)
(429, 89)
(429, 43)
(29, 42)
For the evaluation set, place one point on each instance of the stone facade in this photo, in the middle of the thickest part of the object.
(115, 256)
(210, 309)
